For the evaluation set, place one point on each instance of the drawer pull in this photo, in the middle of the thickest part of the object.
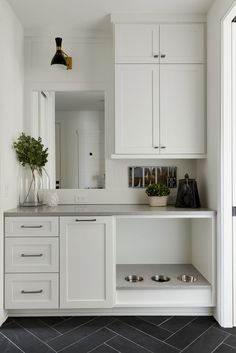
(31, 255)
(36, 227)
(86, 220)
(32, 291)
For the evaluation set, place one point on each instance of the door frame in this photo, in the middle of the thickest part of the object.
(225, 308)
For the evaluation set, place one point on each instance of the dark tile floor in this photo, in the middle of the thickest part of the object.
(116, 334)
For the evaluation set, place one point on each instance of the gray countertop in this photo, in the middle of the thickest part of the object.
(107, 210)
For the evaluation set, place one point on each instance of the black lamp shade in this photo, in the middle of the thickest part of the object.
(59, 58)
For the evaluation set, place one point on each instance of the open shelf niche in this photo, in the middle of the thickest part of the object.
(168, 247)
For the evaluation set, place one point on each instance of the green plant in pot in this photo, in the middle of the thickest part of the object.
(32, 156)
(157, 194)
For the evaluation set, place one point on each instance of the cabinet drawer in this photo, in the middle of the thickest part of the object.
(31, 255)
(31, 226)
(31, 291)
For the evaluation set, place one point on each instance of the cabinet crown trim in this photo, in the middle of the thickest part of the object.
(157, 18)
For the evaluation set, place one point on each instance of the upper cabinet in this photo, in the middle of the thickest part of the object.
(167, 43)
(182, 43)
(137, 110)
(160, 91)
(137, 43)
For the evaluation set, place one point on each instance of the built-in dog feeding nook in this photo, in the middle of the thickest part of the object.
(166, 260)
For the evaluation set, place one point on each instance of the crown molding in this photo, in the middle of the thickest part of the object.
(73, 33)
(158, 18)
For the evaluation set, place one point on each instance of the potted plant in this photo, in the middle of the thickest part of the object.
(32, 155)
(157, 194)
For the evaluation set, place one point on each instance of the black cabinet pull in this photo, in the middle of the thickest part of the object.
(36, 227)
(31, 255)
(32, 291)
(156, 56)
(163, 56)
(86, 220)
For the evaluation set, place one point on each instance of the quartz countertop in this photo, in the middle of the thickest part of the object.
(108, 210)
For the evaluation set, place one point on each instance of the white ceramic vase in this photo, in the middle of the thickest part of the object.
(157, 201)
(52, 198)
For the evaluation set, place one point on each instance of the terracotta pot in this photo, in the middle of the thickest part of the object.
(157, 201)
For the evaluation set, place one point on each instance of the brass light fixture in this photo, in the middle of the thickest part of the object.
(61, 59)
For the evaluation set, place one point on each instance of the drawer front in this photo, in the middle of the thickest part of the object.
(31, 226)
(31, 255)
(31, 291)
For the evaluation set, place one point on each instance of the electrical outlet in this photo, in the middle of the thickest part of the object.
(80, 199)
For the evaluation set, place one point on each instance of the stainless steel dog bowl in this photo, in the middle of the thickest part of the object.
(187, 278)
(160, 278)
(134, 278)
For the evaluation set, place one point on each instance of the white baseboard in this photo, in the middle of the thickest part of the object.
(197, 311)
(3, 316)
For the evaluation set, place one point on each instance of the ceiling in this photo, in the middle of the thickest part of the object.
(93, 14)
(82, 100)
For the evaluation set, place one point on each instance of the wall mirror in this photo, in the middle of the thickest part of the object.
(71, 125)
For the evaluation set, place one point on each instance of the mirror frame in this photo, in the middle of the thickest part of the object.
(32, 120)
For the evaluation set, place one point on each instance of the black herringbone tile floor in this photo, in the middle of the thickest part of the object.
(106, 334)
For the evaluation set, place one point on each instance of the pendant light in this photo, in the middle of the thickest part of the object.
(61, 59)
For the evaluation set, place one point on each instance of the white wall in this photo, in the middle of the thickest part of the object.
(92, 70)
(11, 112)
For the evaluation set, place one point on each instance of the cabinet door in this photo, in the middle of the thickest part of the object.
(136, 43)
(182, 43)
(182, 109)
(137, 109)
(87, 268)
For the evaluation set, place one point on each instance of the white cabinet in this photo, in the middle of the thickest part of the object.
(87, 277)
(182, 109)
(31, 262)
(137, 113)
(31, 255)
(160, 109)
(160, 91)
(28, 226)
(135, 43)
(31, 291)
(182, 43)
(165, 43)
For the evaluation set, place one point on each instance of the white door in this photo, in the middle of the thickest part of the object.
(234, 165)
(87, 262)
(137, 109)
(136, 43)
(182, 109)
(182, 43)
(46, 130)
(58, 154)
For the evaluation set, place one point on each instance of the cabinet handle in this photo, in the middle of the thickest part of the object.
(156, 147)
(32, 291)
(156, 56)
(31, 255)
(86, 220)
(163, 147)
(163, 56)
(37, 227)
